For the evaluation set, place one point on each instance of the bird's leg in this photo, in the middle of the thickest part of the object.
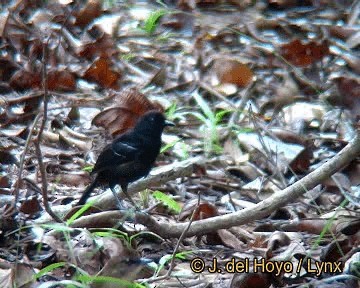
(118, 200)
(124, 190)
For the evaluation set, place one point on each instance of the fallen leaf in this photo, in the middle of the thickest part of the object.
(101, 72)
(130, 105)
(233, 72)
(303, 55)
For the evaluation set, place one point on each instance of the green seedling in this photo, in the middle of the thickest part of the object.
(152, 21)
(167, 201)
(211, 121)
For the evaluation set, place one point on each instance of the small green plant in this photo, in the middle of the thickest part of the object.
(211, 121)
(168, 146)
(49, 268)
(167, 258)
(151, 22)
(167, 201)
(170, 111)
(88, 168)
(79, 212)
(111, 232)
(128, 56)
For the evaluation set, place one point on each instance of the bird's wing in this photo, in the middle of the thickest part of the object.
(124, 149)
(127, 146)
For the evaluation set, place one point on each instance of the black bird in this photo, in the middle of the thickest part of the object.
(130, 156)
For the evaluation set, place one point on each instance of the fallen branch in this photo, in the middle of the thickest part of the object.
(262, 209)
(159, 176)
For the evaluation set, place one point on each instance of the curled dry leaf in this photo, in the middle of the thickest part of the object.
(130, 105)
(124, 263)
(277, 240)
(233, 72)
(302, 55)
(334, 251)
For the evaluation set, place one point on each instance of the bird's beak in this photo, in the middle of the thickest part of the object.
(168, 123)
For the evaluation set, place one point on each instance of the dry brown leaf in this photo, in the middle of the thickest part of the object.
(303, 55)
(102, 73)
(88, 13)
(103, 46)
(31, 206)
(130, 105)
(61, 80)
(233, 72)
(22, 80)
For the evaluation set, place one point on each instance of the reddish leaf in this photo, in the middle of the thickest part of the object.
(130, 105)
(234, 72)
(100, 72)
(23, 80)
(4, 181)
(303, 55)
(31, 206)
(61, 81)
(205, 210)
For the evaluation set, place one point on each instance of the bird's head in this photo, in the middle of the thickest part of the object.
(152, 122)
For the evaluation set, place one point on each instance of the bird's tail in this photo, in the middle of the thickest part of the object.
(86, 194)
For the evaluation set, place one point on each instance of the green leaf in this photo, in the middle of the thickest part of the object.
(112, 232)
(205, 107)
(59, 227)
(80, 212)
(88, 168)
(220, 115)
(171, 111)
(49, 268)
(168, 146)
(151, 22)
(167, 201)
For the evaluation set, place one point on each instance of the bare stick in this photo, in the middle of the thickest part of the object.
(262, 209)
(38, 141)
(173, 257)
(21, 168)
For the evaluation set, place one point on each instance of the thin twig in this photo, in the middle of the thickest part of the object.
(38, 141)
(22, 158)
(173, 257)
(21, 168)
